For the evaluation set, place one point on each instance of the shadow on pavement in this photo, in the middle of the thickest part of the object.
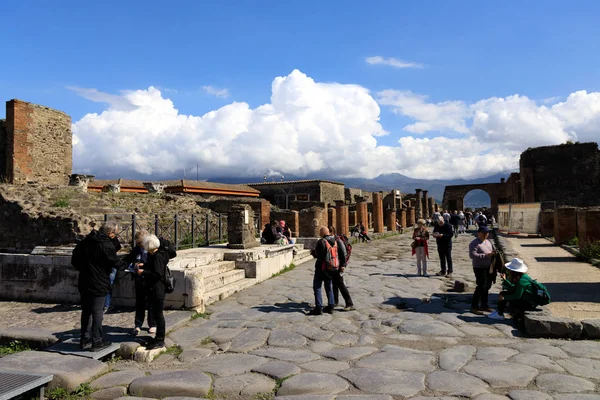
(556, 259)
(291, 307)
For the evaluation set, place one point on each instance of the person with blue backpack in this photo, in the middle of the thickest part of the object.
(518, 289)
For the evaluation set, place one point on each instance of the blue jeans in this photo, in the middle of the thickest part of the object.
(112, 277)
(320, 277)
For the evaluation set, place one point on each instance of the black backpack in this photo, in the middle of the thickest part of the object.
(169, 280)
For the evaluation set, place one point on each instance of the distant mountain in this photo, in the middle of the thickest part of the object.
(397, 181)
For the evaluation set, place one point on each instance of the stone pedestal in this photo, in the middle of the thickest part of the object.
(342, 225)
(425, 207)
(155, 187)
(113, 188)
(81, 181)
(402, 218)
(240, 227)
(410, 217)
(418, 203)
(390, 220)
(378, 212)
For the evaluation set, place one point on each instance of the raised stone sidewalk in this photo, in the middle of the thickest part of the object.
(407, 338)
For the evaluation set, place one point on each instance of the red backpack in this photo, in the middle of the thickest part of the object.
(347, 245)
(332, 261)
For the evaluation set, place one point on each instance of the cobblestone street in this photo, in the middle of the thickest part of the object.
(407, 338)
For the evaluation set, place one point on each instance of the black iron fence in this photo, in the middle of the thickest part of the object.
(184, 231)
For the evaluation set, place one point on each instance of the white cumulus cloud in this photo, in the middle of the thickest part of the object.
(392, 62)
(223, 93)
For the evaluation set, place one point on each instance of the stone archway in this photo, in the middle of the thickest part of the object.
(477, 198)
(454, 195)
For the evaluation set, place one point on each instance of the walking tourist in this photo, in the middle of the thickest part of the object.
(326, 253)
(443, 235)
(337, 276)
(446, 216)
(481, 219)
(455, 220)
(154, 273)
(399, 227)
(462, 221)
(95, 257)
(363, 235)
(518, 289)
(435, 218)
(420, 247)
(136, 260)
(481, 251)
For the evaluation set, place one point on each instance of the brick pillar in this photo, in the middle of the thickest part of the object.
(410, 217)
(331, 217)
(430, 206)
(240, 227)
(362, 216)
(425, 213)
(547, 224)
(352, 221)
(403, 217)
(342, 225)
(390, 220)
(265, 213)
(377, 212)
(565, 224)
(418, 203)
(592, 225)
(370, 220)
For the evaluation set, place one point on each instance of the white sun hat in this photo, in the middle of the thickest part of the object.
(517, 265)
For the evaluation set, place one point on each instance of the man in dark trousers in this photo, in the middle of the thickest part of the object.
(443, 233)
(321, 273)
(95, 257)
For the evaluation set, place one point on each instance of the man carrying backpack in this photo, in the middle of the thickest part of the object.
(523, 293)
(338, 275)
(327, 252)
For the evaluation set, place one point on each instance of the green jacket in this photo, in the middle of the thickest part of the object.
(523, 289)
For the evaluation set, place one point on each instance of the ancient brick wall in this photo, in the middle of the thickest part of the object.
(402, 218)
(592, 225)
(311, 220)
(331, 216)
(291, 219)
(567, 174)
(39, 144)
(352, 219)
(565, 224)
(547, 223)
(2, 150)
(410, 217)
(331, 192)
(362, 216)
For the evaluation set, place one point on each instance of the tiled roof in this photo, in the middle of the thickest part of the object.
(292, 182)
(182, 183)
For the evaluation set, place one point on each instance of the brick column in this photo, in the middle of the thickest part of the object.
(565, 224)
(342, 225)
(418, 203)
(362, 216)
(403, 217)
(410, 217)
(425, 209)
(331, 217)
(377, 212)
(390, 219)
(430, 206)
(265, 213)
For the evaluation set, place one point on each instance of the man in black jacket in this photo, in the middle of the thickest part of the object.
(95, 257)
(321, 274)
(443, 234)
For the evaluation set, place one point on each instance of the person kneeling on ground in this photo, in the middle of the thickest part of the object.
(520, 290)
(154, 273)
(337, 276)
(326, 252)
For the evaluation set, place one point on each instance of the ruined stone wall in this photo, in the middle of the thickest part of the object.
(39, 144)
(567, 174)
(283, 195)
(331, 192)
(291, 219)
(2, 150)
(311, 220)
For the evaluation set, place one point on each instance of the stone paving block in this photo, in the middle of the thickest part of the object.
(189, 356)
(490, 396)
(454, 358)
(229, 364)
(127, 350)
(349, 353)
(435, 398)
(325, 366)
(243, 386)
(249, 340)
(502, 374)
(183, 398)
(563, 383)
(134, 398)
(456, 384)
(480, 331)
(286, 339)
(119, 378)
(583, 367)
(537, 361)
(142, 355)
(583, 349)
(191, 336)
(591, 328)
(429, 328)
(344, 339)
(364, 397)
(172, 383)
(395, 383)
(528, 395)
(308, 397)
(277, 369)
(312, 383)
(541, 349)
(109, 394)
(224, 335)
(34, 336)
(291, 355)
(495, 353)
(552, 327)
(400, 359)
(577, 396)
(69, 371)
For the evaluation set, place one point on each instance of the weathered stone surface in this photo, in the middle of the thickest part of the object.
(364, 397)
(583, 367)
(312, 383)
(286, 339)
(292, 355)
(490, 396)
(456, 384)
(401, 359)
(528, 395)
(480, 331)
(537, 361)
(552, 327)
(127, 350)
(495, 353)
(134, 398)
(37, 337)
(189, 356)
(229, 364)
(577, 396)
(502, 374)
(429, 328)
(344, 339)
(249, 340)
(591, 328)
(454, 358)
(142, 355)
(120, 378)
(308, 397)
(563, 383)
(583, 349)
(312, 332)
(540, 348)
(435, 398)
(396, 383)
(177, 383)
(109, 394)
(277, 369)
(69, 371)
(224, 335)
(243, 386)
(350, 353)
(325, 366)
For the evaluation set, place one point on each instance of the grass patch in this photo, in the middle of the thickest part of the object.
(62, 202)
(206, 341)
(211, 394)
(573, 242)
(204, 315)
(13, 347)
(82, 392)
(174, 350)
(284, 270)
(279, 382)
(263, 396)
(589, 251)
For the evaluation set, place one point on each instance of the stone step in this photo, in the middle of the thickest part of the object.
(228, 290)
(217, 281)
(217, 268)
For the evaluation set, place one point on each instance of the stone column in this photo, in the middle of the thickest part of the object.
(370, 220)
(362, 216)
(411, 218)
(425, 207)
(331, 217)
(240, 227)
(390, 219)
(418, 203)
(377, 212)
(342, 225)
(430, 206)
(403, 217)
(436, 207)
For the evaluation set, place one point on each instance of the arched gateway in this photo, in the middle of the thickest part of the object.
(454, 195)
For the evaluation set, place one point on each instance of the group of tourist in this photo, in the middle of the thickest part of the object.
(95, 257)
(277, 232)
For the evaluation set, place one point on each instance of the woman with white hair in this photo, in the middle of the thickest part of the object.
(154, 273)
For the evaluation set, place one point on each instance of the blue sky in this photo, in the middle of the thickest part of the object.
(468, 51)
